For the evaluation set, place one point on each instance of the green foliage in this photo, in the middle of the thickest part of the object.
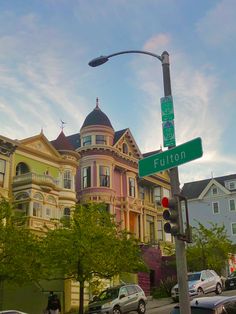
(20, 250)
(91, 244)
(164, 289)
(210, 248)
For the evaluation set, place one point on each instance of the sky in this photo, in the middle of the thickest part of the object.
(45, 47)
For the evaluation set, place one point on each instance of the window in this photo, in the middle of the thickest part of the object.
(37, 209)
(141, 192)
(231, 185)
(2, 171)
(132, 187)
(48, 212)
(67, 179)
(125, 148)
(104, 175)
(214, 190)
(159, 230)
(87, 140)
(233, 228)
(21, 168)
(67, 211)
(231, 205)
(165, 192)
(215, 207)
(157, 195)
(150, 228)
(101, 139)
(22, 202)
(86, 177)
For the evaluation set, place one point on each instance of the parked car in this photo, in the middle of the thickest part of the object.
(119, 299)
(199, 283)
(211, 305)
(12, 312)
(230, 282)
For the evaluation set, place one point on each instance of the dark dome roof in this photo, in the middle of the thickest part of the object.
(97, 117)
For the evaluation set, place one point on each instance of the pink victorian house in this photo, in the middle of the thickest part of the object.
(108, 172)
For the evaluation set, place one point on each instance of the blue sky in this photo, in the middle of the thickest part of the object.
(45, 47)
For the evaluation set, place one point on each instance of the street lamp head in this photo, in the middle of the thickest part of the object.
(98, 61)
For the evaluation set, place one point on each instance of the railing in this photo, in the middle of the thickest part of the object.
(31, 177)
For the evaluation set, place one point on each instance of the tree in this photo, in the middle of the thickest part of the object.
(91, 244)
(210, 248)
(20, 250)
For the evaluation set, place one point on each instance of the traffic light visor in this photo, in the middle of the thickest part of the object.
(165, 202)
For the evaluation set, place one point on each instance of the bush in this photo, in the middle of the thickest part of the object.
(164, 289)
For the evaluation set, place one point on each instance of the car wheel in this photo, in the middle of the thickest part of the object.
(218, 289)
(116, 310)
(141, 307)
(200, 292)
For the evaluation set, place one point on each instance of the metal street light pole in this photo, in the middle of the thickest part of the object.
(181, 263)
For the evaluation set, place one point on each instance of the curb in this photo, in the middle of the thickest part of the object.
(155, 303)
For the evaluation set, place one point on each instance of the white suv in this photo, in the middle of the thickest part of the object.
(199, 283)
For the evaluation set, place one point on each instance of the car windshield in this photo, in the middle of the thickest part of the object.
(232, 275)
(194, 276)
(109, 294)
(194, 311)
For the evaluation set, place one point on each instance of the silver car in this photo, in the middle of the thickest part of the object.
(199, 283)
(119, 299)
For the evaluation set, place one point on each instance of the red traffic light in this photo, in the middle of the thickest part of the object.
(165, 202)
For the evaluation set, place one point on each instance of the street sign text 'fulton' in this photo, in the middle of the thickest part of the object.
(171, 158)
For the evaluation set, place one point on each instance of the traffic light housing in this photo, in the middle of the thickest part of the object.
(171, 215)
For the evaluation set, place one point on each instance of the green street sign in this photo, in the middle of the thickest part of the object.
(167, 108)
(171, 158)
(168, 130)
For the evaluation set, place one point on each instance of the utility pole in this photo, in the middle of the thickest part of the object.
(174, 178)
(181, 262)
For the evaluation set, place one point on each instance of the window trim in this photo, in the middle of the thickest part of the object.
(102, 141)
(87, 140)
(232, 210)
(132, 188)
(67, 179)
(214, 188)
(3, 172)
(104, 177)
(86, 176)
(233, 223)
(215, 213)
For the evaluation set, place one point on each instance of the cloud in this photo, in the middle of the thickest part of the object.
(216, 27)
(195, 107)
(159, 41)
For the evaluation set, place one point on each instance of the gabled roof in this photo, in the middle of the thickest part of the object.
(151, 153)
(196, 189)
(62, 143)
(41, 143)
(118, 135)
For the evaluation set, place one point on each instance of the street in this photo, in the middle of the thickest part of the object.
(167, 308)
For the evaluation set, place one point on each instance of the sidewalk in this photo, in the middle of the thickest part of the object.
(154, 303)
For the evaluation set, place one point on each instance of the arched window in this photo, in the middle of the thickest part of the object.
(22, 202)
(67, 211)
(21, 168)
(38, 205)
(125, 148)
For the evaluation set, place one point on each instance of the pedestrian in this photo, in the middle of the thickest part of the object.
(54, 304)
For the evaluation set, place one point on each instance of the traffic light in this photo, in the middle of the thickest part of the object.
(171, 214)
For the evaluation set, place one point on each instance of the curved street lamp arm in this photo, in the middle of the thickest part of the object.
(137, 51)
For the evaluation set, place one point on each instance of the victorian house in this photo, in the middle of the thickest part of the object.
(46, 179)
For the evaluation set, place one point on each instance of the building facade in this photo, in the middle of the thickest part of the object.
(213, 201)
(98, 164)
